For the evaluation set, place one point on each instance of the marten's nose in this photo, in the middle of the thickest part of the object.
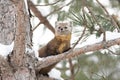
(61, 29)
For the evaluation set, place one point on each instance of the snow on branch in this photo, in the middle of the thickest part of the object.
(72, 53)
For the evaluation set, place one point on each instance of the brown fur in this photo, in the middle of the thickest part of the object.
(59, 44)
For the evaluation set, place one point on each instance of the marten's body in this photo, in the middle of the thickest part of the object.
(59, 44)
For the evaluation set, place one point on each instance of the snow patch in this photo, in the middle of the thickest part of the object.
(26, 5)
(111, 35)
(40, 59)
(93, 58)
(29, 50)
(92, 39)
(55, 74)
(6, 49)
(59, 65)
(68, 73)
(97, 27)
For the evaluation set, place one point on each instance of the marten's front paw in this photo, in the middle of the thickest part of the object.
(46, 74)
(58, 52)
(68, 49)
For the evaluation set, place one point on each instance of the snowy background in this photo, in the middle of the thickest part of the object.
(42, 37)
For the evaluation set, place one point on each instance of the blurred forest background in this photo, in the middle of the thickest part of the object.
(89, 17)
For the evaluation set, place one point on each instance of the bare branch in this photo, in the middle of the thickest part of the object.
(93, 47)
(42, 19)
(36, 26)
(53, 12)
(59, 8)
(80, 37)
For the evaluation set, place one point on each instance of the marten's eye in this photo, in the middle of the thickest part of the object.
(65, 27)
(58, 27)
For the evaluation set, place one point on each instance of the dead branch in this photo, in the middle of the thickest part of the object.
(59, 8)
(52, 13)
(72, 53)
(38, 14)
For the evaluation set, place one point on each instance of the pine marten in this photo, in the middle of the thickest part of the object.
(59, 44)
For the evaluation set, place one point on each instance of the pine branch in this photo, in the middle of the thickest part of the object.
(95, 19)
(72, 53)
(111, 17)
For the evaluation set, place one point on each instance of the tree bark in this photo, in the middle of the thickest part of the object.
(15, 26)
(72, 53)
(7, 22)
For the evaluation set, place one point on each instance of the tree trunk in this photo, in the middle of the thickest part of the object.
(15, 27)
(21, 63)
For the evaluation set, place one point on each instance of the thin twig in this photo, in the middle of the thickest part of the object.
(42, 19)
(112, 19)
(70, 61)
(101, 28)
(59, 8)
(73, 13)
(36, 26)
(53, 12)
(78, 67)
(80, 37)
(85, 23)
(49, 3)
(71, 69)
(113, 52)
(110, 51)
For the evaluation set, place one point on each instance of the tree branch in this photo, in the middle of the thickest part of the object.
(53, 12)
(72, 53)
(40, 16)
(111, 17)
(59, 8)
(97, 22)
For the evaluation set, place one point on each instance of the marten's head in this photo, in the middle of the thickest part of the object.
(63, 28)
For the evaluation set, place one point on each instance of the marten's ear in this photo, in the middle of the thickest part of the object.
(56, 23)
(70, 23)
